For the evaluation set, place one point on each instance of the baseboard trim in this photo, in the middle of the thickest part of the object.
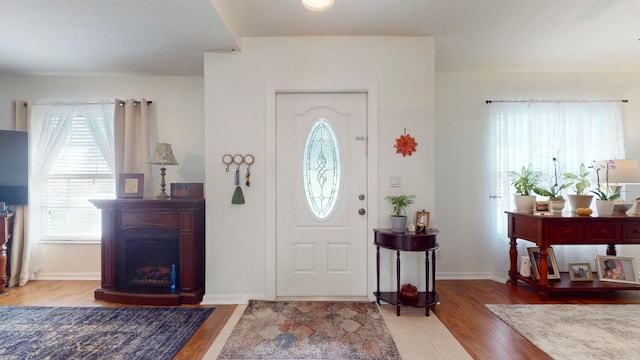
(67, 276)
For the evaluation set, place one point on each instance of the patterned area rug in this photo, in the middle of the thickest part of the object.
(310, 330)
(577, 331)
(29, 332)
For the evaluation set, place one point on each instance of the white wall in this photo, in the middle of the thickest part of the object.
(463, 154)
(236, 114)
(177, 118)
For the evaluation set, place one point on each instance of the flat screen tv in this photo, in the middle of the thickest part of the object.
(14, 167)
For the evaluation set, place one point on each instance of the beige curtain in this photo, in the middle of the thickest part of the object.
(23, 257)
(131, 137)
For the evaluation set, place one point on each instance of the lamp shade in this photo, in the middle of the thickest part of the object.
(624, 172)
(163, 155)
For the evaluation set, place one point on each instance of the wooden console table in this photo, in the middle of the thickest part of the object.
(569, 229)
(408, 241)
(4, 238)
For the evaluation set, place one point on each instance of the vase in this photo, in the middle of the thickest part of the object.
(556, 205)
(604, 207)
(398, 224)
(524, 203)
(578, 201)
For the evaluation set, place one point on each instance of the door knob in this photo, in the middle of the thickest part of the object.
(361, 197)
(362, 211)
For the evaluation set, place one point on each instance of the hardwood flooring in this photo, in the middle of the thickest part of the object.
(462, 310)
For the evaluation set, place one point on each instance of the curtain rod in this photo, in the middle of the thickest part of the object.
(121, 103)
(557, 101)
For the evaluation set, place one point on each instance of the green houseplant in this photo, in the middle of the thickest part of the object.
(554, 192)
(524, 181)
(604, 203)
(580, 182)
(400, 204)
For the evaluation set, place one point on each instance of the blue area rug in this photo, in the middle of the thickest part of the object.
(35, 332)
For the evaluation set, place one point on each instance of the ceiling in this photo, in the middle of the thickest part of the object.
(168, 37)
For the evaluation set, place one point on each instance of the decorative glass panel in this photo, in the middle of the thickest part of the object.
(321, 169)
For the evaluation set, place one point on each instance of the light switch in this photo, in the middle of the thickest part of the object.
(396, 181)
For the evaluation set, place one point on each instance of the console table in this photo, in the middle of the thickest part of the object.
(569, 229)
(408, 241)
(4, 238)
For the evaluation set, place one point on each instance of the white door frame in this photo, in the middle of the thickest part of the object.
(271, 91)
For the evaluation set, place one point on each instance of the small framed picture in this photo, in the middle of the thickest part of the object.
(553, 272)
(616, 269)
(422, 220)
(580, 272)
(541, 208)
(130, 186)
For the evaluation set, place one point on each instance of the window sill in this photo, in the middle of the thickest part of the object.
(71, 242)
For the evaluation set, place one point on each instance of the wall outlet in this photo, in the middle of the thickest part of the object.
(438, 254)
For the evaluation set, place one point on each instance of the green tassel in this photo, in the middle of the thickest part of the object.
(238, 196)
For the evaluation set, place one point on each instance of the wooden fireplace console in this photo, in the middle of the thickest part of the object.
(569, 229)
(184, 216)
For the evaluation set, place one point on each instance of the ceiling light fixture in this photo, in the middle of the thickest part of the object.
(318, 5)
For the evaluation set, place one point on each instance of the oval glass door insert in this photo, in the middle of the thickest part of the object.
(321, 170)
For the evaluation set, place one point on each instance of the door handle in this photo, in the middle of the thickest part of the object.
(362, 211)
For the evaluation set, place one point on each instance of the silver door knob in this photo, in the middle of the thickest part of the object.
(362, 211)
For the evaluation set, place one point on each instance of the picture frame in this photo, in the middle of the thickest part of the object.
(541, 208)
(422, 220)
(617, 269)
(580, 272)
(553, 271)
(130, 186)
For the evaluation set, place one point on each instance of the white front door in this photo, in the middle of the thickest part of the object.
(322, 196)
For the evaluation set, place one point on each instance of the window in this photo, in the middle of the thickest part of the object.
(533, 133)
(321, 169)
(72, 161)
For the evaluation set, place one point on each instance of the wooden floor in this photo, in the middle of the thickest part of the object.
(462, 310)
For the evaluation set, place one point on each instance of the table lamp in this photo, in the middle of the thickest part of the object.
(163, 155)
(623, 172)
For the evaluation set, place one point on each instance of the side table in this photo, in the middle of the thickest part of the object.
(408, 241)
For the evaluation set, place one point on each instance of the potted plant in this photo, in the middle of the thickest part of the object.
(580, 182)
(604, 202)
(554, 192)
(400, 204)
(524, 181)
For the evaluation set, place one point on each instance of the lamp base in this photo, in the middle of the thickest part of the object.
(163, 195)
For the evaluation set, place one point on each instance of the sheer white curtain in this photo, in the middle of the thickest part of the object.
(533, 133)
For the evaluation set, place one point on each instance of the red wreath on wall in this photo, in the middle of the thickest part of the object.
(405, 144)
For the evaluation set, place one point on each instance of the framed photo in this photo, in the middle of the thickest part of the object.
(130, 186)
(541, 208)
(422, 220)
(553, 272)
(580, 272)
(616, 269)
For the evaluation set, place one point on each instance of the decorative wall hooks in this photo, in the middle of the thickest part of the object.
(405, 144)
(238, 159)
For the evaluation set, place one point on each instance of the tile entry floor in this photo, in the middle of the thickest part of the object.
(417, 336)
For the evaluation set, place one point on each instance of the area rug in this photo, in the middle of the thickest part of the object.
(310, 330)
(577, 331)
(34, 332)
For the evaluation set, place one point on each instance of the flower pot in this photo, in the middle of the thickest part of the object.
(524, 203)
(578, 201)
(398, 224)
(556, 205)
(604, 207)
